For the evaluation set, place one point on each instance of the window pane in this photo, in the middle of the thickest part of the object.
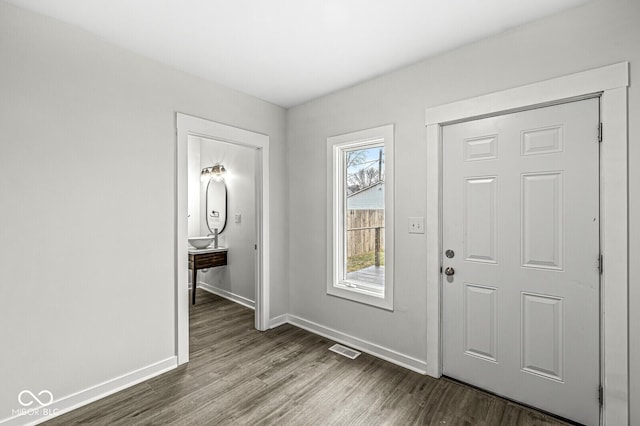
(364, 216)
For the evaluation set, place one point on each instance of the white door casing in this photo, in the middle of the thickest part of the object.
(521, 228)
(611, 83)
(186, 126)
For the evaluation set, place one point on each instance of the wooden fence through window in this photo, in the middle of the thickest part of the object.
(365, 232)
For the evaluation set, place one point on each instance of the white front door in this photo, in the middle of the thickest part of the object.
(521, 249)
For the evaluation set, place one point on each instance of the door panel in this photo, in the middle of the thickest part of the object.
(542, 220)
(521, 214)
(480, 219)
(542, 335)
(480, 321)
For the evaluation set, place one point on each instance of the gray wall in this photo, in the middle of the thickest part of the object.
(88, 131)
(593, 35)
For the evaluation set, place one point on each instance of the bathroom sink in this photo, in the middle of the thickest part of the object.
(201, 242)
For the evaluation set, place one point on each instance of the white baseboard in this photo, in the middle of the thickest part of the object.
(227, 295)
(378, 351)
(89, 395)
(278, 321)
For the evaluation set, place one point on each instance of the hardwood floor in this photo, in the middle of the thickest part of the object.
(287, 376)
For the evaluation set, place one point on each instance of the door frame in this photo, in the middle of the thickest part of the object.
(187, 125)
(611, 83)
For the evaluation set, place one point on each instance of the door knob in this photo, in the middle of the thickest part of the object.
(449, 271)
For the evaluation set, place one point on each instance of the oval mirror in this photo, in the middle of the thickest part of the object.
(216, 205)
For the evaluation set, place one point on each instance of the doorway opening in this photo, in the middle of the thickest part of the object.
(249, 151)
(222, 214)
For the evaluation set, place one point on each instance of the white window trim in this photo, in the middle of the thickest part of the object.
(611, 82)
(335, 246)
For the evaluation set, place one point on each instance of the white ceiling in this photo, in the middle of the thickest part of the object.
(290, 51)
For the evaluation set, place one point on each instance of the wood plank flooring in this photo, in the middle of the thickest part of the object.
(287, 376)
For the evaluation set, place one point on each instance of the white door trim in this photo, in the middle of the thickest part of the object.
(186, 126)
(611, 82)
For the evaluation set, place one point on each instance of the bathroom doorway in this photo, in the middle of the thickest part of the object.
(219, 139)
(222, 206)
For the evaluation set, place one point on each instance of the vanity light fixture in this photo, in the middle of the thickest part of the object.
(215, 172)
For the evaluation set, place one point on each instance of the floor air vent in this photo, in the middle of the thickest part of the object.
(343, 350)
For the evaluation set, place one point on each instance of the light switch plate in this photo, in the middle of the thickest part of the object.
(238, 218)
(416, 225)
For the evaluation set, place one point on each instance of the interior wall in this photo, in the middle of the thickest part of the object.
(593, 35)
(87, 289)
(238, 277)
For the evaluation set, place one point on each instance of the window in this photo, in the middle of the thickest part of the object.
(360, 216)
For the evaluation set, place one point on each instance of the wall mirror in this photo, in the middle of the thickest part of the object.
(216, 205)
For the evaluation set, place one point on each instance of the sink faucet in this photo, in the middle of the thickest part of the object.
(215, 237)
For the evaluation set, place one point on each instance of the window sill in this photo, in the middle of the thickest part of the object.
(360, 295)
